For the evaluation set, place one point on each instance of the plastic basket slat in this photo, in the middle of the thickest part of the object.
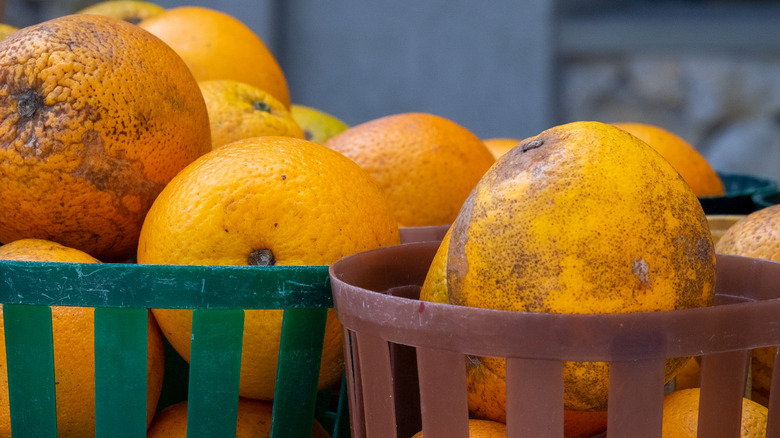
(626, 380)
(720, 405)
(773, 415)
(120, 371)
(298, 372)
(377, 389)
(437, 367)
(30, 367)
(215, 369)
(529, 376)
(218, 293)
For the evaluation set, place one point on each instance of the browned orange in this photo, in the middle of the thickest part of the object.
(254, 421)
(74, 354)
(426, 164)
(265, 200)
(216, 45)
(96, 116)
(691, 164)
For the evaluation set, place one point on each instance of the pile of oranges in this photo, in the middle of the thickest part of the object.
(131, 133)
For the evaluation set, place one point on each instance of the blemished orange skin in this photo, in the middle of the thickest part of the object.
(691, 165)
(305, 203)
(253, 421)
(238, 110)
(681, 416)
(216, 45)
(96, 116)
(74, 354)
(425, 164)
(756, 235)
(132, 11)
(583, 218)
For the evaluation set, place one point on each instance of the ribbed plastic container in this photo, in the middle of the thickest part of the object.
(739, 197)
(121, 295)
(406, 358)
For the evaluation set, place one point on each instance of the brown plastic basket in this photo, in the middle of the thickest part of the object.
(406, 368)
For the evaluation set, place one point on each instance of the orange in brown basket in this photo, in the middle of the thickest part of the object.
(238, 110)
(254, 421)
(693, 167)
(681, 416)
(74, 354)
(480, 429)
(426, 164)
(583, 218)
(216, 45)
(756, 235)
(97, 116)
(264, 201)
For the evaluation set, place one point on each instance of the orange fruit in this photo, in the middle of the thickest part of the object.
(6, 29)
(691, 165)
(681, 415)
(500, 145)
(756, 235)
(426, 164)
(317, 125)
(216, 45)
(284, 200)
(689, 375)
(583, 218)
(74, 349)
(97, 115)
(132, 11)
(253, 421)
(238, 110)
(480, 429)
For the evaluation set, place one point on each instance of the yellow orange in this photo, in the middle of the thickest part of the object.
(265, 200)
(498, 146)
(238, 110)
(681, 416)
(132, 11)
(691, 165)
(317, 125)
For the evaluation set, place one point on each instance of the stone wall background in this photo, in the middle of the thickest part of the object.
(726, 105)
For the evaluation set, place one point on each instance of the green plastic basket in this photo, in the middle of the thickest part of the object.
(121, 295)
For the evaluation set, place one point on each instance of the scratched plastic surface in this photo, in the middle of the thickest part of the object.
(406, 366)
(121, 294)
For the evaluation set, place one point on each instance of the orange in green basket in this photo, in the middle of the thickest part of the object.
(426, 164)
(756, 235)
(691, 165)
(583, 218)
(269, 200)
(681, 415)
(254, 421)
(74, 353)
(216, 45)
(96, 116)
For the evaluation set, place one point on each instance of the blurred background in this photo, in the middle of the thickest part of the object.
(707, 70)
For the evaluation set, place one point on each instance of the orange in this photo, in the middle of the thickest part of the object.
(681, 415)
(238, 110)
(500, 145)
(691, 165)
(756, 235)
(317, 125)
(689, 375)
(583, 218)
(253, 421)
(265, 200)
(74, 354)
(96, 116)
(426, 164)
(6, 29)
(132, 11)
(216, 45)
(480, 429)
